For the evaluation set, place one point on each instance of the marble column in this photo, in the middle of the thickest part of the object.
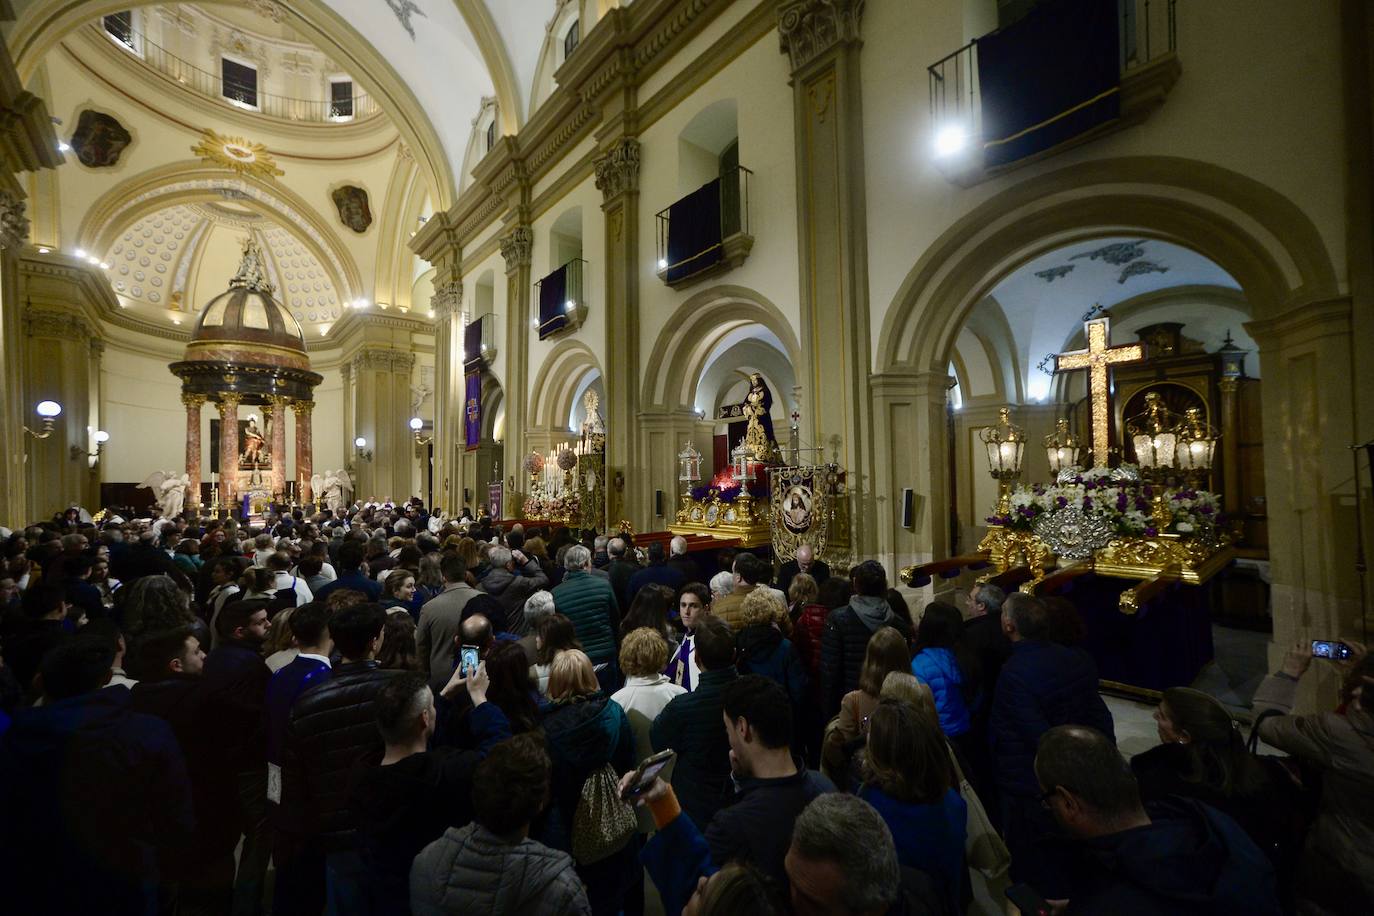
(193, 402)
(278, 404)
(228, 448)
(305, 455)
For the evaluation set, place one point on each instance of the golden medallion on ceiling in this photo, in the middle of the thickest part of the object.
(237, 154)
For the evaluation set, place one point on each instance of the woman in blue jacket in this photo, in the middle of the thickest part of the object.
(909, 780)
(942, 663)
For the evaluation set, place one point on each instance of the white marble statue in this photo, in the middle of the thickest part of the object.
(169, 491)
(332, 488)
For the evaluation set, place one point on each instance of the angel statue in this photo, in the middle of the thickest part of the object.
(169, 491)
(332, 488)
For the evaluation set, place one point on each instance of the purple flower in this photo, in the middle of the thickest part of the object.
(1151, 531)
(1205, 510)
(1121, 502)
(1087, 503)
(1061, 502)
(1148, 491)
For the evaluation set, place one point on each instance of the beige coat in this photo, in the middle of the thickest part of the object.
(1338, 863)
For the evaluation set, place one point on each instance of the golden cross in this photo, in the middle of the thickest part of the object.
(1096, 359)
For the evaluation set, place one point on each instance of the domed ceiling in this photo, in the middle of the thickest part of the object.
(174, 260)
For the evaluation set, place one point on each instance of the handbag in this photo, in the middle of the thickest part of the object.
(602, 823)
(984, 849)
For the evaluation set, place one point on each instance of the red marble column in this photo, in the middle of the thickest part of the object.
(277, 405)
(193, 402)
(305, 455)
(228, 449)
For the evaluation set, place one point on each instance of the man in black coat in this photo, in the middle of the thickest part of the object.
(772, 786)
(844, 640)
(1042, 685)
(332, 730)
(1175, 856)
(691, 725)
(172, 688)
(805, 562)
(93, 794)
(621, 568)
(679, 560)
(236, 675)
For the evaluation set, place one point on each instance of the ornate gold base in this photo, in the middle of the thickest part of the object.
(724, 520)
(1196, 559)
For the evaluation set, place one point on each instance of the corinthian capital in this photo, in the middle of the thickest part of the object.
(809, 28)
(447, 299)
(14, 225)
(517, 247)
(618, 171)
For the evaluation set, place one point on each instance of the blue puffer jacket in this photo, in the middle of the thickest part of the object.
(938, 669)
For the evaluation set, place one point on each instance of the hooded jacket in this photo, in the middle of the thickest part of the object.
(583, 734)
(93, 790)
(845, 640)
(939, 670)
(470, 870)
(1191, 859)
(763, 650)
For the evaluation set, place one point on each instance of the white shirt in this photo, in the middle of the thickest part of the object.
(286, 580)
(643, 698)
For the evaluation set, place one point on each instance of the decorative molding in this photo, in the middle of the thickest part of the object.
(617, 172)
(97, 348)
(447, 300)
(268, 9)
(193, 401)
(381, 359)
(14, 225)
(808, 29)
(243, 157)
(61, 325)
(517, 247)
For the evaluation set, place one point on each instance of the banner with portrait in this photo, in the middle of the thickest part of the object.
(801, 507)
(472, 410)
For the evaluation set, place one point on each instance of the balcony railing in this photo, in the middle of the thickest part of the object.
(562, 305)
(706, 232)
(1148, 44)
(324, 111)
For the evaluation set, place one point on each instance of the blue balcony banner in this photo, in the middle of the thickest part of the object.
(1048, 78)
(553, 300)
(694, 234)
(472, 409)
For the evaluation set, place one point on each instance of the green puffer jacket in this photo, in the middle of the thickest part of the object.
(589, 603)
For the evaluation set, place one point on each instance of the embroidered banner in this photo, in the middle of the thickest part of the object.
(472, 409)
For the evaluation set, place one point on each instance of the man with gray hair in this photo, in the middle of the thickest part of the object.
(679, 560)
(590, 604)
(538, 607)
(722, 584)
(843, 860)
(984, 637)
(511, 579)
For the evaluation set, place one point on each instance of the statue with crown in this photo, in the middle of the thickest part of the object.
(1120, 540)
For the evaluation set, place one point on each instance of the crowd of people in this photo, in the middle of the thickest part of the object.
(384, 711)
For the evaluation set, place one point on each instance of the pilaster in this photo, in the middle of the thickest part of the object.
(909, 419)
(517, 247)
(617, 177)
(447, 304)
(56, 352)
(821, 39)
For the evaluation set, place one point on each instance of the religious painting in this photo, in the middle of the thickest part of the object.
(255, 444)
(99, 139)
(351, 202)
(796, 512)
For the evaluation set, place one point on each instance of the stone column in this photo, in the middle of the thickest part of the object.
(305, 455)
(277, 405)
(516, 249)
(193, 402)
(617, 177)
(1230, 445)
(14, 233)
(447, 303)
(57, 358)
(821, 39)
(229, 448)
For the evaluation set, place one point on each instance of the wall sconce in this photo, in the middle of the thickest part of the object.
(48, 411)
(101, 437)
(416, 425)
(360, 448)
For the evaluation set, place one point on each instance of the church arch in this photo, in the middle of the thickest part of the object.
(561, 378)
(1257, 235)
(689, 339)
(493, 408)
(44, 23)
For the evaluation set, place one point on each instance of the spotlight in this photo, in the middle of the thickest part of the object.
(42, 250)
(662, 263)
(81, 252)
(569, 306)
(63, 146)
(950, 140)
(417, 424)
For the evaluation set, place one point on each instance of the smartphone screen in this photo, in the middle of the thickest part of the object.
(1330, 648)
(1028, 901)
(468, 661)
(648, 770)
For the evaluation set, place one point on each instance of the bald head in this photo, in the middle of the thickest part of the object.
(804, 556)
(476, 631)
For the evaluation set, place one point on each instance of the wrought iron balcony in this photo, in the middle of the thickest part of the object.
(1147, 40)
(562, 302)
(706, 232)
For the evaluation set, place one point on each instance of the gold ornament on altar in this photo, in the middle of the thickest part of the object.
(1097, 359)
(1062, 448)
(1072, 534)
(237, 154)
